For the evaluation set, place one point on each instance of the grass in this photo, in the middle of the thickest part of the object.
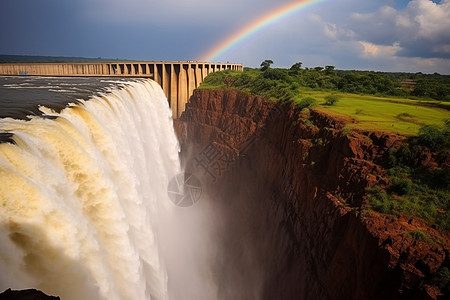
(417, 193)
(419, 235)
(394, 115)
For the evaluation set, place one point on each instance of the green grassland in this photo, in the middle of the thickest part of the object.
(394, 115)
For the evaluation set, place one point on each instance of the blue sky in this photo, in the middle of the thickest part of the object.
(386, 35)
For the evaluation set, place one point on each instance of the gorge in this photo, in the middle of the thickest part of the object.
(290, 187)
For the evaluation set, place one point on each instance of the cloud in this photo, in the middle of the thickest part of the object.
(371, 50)
(331, 30)
(442, 49)
(433, 19)
(425, 65)
(391, 35)
(421, 29)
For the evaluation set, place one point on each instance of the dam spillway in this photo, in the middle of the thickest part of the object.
(177, 79)
(83, 193)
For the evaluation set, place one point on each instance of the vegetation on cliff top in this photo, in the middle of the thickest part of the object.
(373, 100)
(414, 105)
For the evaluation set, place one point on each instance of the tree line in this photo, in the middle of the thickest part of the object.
(408, 85)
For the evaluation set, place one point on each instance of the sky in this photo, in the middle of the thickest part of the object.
(380, 35)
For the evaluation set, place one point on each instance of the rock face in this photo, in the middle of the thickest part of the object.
(30, 294)
(289, 186)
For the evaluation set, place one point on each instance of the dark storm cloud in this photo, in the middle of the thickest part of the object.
(371, 34)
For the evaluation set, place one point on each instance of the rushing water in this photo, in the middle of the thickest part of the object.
(83, 191)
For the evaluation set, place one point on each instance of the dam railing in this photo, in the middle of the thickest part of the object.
(177, 79)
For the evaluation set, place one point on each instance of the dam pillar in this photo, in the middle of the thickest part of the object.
(165, 83)
(191, 80)
(173, 92)
(198, 75)
(182, 88)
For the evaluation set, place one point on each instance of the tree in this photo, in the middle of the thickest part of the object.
(432, 137)
(296, 66)
(329, 69)
(266, 64)
(276, 74)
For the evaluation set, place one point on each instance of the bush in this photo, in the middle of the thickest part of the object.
(276, 74)
(442, 278)
(346, 130)
(306, 102)
(418, 235)
(331, 100)
(441, 179)
(431, 136)
(400, 186)
(438, 179)
(217, 79)
(406, 155)
(405, 115)
(379, 200)
(242, 80)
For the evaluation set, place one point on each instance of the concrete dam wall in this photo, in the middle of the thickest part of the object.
(177, 79)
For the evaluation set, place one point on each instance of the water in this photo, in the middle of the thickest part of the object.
(84, 208)
(21, 96)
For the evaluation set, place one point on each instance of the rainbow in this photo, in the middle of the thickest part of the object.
(255, 26)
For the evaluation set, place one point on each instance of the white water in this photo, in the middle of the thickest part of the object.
(82, 197)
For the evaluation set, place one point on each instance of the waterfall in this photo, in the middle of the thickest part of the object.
(83, 193)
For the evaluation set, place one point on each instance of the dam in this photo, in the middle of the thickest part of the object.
(177, 79)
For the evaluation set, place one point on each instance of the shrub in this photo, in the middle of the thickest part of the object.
(399, 171)
(431, 136)
(442, 278)
(438, 179)
(306, 102)
(379, 200)
(400, 186)
(405, 115)
(441, 178)
(418, 235)
(331, 100)
(276, 74)
(217, 79)
(406, 155)
(305, 112)
(346, 130)
(242, 80)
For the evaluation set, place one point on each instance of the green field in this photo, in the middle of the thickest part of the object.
(403, 116)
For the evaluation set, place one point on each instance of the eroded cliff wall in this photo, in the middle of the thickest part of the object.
(288, 191)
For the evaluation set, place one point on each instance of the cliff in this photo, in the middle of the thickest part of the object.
(290, 189)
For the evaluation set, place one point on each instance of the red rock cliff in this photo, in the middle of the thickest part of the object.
(290, 190)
